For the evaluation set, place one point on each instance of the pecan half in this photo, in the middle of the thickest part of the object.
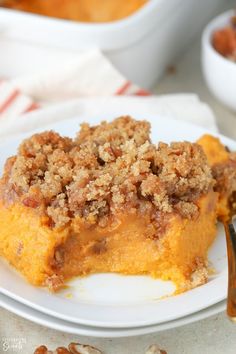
(77, 348)
(42, 350)
(154, 349)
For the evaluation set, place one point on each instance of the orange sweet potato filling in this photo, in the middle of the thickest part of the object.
(39, 252)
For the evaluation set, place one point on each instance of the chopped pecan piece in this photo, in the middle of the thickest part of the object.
(154, 349)
(30, 202)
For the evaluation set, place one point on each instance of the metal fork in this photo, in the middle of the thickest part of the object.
(231, 250)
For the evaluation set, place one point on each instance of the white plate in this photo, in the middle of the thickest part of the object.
(72, 328)
(93, 302)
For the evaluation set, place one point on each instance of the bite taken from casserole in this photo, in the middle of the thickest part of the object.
(110, 201)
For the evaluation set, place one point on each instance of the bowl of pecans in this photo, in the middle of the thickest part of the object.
(219, 58)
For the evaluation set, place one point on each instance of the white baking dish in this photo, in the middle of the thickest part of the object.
(140, 46)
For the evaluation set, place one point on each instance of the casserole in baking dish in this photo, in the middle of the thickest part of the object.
(78, 10)
(140, 46)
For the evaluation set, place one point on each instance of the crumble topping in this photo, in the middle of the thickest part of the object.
(225, 176)
(54, 282)
(106, 169)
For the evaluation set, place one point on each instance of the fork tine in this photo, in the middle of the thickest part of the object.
(231, 250)
(232, 236)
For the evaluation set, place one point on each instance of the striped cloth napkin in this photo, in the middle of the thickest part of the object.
(87, 84)
(88, 74)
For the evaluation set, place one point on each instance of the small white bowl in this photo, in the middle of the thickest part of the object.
(219, 72)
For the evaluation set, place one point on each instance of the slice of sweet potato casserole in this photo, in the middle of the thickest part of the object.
(110, 201)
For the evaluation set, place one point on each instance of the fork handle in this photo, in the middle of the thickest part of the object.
(231, 249)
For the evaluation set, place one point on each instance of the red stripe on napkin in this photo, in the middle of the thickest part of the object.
(32, 107)
(11, 98)
(142, 92)
(123, 88)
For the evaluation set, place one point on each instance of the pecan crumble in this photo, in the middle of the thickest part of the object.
(105, 169)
